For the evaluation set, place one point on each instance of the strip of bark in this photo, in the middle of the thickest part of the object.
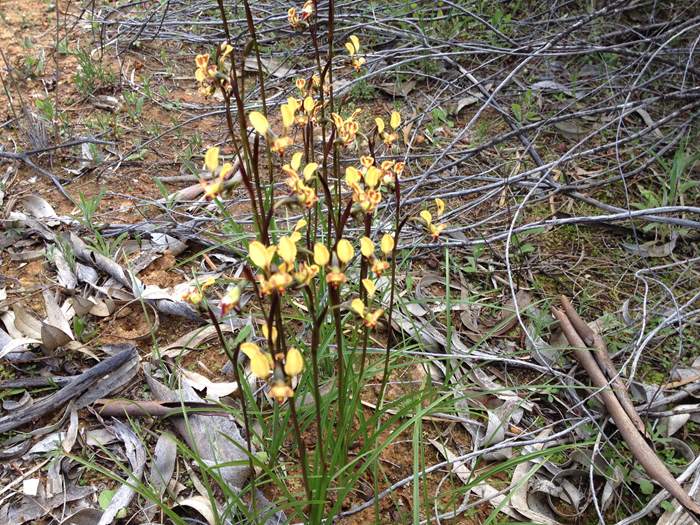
(161, 409)
(656, 469)
(75, 388)
(592, 339)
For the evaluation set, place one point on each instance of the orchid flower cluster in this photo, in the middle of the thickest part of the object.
(298, 263)
(209, 74)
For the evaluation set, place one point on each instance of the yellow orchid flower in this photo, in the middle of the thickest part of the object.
(355, 42)
(358, 307)
(335, 277)
(230, 300)
(372, 176)
(380, 124)
(309, 170)
(226, 50)
(293, 18)
(261, 255)
(427, 217)
(366, 247)
(436, 230)
(309, 104)
(345, 251)
(287, 115)
(296, 160)
(260, 363)
(372, 318)
(300, 83)
(307, 10)
(211, 159)
(321, 254)
(293, 362)
(280, 145)
(306, 273)
(352, 176)
(287, 250)
(278, 282)
(281, 391)
(440, 206)
(395, 121)
(366, 161)
(370, 287)
(379, 266)
(259, 122)
(387, 244)
(212, 189)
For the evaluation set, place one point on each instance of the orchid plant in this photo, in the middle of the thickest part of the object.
(312, 268)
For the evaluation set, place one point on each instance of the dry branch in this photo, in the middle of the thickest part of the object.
(75, 388)
(656, 469)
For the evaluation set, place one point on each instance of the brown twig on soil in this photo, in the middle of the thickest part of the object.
(72, 390)
(162, 409)
(602, 357)
(636, 443)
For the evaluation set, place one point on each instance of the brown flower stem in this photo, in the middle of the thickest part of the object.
(261, 80)
(390, 335)
(233, 357)
(302, 452)
(315, 336)
(340, 365)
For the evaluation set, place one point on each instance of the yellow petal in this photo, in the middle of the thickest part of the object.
(260, 366)
(358, 307)
(345, 251)
(250, 349)
(355, 42)
(426, 216)
(293, 362)
(380, 124)
(321, 255)
(296, 160)
(387, 244)
(366, 247)
(395, 119)
(309, 104)
(372, 176)
(259, 122)
(287, 115)
(211, 159)
(225, 170)
(366, 161)
(258, 253)
(300, 224)
(369, 286)
(352, 175)
(287, 250)
(309, 170)
(440, 205)
(266, 333)
(350, 48)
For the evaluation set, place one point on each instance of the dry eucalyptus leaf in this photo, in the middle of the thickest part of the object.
(200, 504)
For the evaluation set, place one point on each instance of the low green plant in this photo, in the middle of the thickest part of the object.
(91, 74)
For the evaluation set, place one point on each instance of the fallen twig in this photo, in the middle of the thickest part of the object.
(136, 408)
(591, 339)
(78, 386)
(639, 447)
